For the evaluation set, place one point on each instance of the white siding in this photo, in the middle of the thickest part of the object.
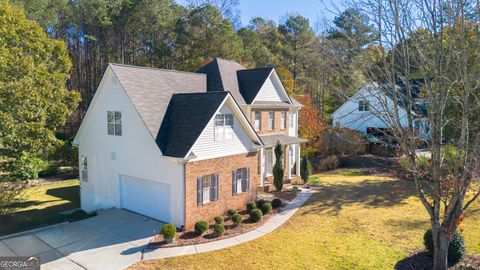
(271, 91)
(349, 116)
(135, 153)
(207, 147)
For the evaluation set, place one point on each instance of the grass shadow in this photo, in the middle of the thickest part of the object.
(66, 193)
(332, 198)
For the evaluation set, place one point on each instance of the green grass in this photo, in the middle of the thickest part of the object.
(39, 204)
(353, 222)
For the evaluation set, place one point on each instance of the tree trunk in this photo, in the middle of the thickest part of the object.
(440, 255)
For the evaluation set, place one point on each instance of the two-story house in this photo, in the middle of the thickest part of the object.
(182, 147)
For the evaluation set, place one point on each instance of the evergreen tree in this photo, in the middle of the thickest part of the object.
(278, 170)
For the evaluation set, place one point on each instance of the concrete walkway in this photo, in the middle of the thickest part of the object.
(269, 226)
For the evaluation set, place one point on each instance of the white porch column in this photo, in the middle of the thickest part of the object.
(289, 166)
(297, 167)
(262, 167)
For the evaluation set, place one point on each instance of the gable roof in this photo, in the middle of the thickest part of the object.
(222, 76)
(251, 81)
(181, 126)
(150, 90)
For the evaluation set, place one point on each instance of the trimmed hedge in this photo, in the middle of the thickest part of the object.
(218, 229)
(266, 208)
(201, 227)
(259, 203)
(237, 219)
(218, 220)
(251, 206)
(231, 212)
(256, 215)
(276, 203)
(168, 231)
(456, 248)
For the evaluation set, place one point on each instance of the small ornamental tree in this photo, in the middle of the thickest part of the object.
(305, 169)
(278, 170)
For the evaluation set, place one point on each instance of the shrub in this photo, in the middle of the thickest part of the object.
(251, 206)
(51, 170)
(256, 215)
(456, 248)
(259, 203)
(237, 219)
(305, 169)
(276, 203)
(201, 227)
(26, 167)
(218, 220)
(266, 208)
(231, 212)
(168, 231)
(219, 229)
(278, 170)
(334, 141)
(328, 163)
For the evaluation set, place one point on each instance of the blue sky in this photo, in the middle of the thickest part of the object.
(276, 9)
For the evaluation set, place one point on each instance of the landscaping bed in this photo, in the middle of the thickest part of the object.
(231, 229)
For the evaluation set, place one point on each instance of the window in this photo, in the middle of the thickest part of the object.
(114, 120)
(84, 168)
(240, 181)
(363, 105)
(223, 126)
(271, 120)
(258, 120)
(207, 189)
(283, 120)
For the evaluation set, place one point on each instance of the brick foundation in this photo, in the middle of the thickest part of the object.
(222, 166)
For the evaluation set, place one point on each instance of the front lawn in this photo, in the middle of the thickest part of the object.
(39, 204)
(355, 221)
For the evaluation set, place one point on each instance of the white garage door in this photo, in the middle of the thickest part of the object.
(145, 197)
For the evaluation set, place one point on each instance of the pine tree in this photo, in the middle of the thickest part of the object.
(278, 170)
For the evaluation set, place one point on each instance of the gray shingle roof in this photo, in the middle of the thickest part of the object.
(186, 117)
(150, 90)
(222, 76)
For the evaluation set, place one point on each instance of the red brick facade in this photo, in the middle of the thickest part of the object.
(222, 166)
(277, 121)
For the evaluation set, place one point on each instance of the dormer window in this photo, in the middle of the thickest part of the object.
(363, 105)
(114, 123)
(223, 127)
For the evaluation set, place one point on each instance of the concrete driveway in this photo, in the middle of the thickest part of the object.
(112, 240)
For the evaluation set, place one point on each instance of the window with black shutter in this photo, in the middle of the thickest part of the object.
(207, 189)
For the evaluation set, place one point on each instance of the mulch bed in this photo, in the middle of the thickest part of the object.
(421, 260)
(192, 238)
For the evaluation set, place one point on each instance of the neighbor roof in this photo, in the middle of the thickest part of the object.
(251, 81)
(185, 119)
(150, 90)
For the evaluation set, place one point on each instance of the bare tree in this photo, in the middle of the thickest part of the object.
(437, 41)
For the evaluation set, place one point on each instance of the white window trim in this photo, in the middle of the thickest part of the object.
(271, 120)
(115, 123)
(224, 132)
(207, 190)
(258, 121)
(283, 120)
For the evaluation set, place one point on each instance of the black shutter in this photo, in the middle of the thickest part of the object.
(215, 187)
(247, 186)
(199, 191)
(212, 189)
(234, 183)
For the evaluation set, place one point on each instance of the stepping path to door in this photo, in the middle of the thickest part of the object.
(269, 226)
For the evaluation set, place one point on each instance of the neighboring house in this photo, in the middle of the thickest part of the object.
(369, 111)
(182, 147)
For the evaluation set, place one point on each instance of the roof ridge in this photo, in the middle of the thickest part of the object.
(157, 69)
(251, 69)
(201, 93)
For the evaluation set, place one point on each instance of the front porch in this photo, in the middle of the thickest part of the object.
(291, 158)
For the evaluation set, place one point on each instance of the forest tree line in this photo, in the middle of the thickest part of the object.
(324, 65)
